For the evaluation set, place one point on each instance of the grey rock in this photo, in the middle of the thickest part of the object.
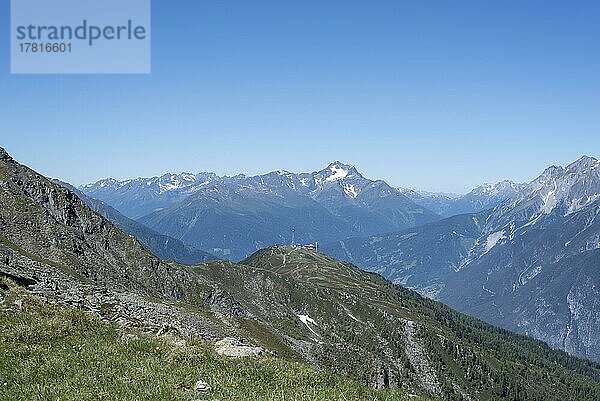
(419, 360)
(164, 329)
(220, 301)
(127, 337)
(202, 386)
(234, 348)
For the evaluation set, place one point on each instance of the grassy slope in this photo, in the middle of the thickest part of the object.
(56, 353)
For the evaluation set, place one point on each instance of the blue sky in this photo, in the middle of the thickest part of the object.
(435, 95)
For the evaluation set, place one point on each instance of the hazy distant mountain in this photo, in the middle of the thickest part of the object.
(234, 216)
(138, 197)
(437, 202)
(531, 264)
(484, 197)
(163, 246)
(481, 198)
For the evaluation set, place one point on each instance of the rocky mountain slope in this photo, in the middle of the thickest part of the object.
(295, 303)
(486, 196)
(232, 217)
(536, 267)
(530, 264)
(163, 246)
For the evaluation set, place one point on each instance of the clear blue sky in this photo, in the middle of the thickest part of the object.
(437, 95)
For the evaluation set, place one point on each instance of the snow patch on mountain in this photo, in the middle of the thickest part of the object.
(351, 316)
(172, 182)
(493, 239)
(350, 190)
(337, 173)
(306, 320)
(550, 200)
(107, 183)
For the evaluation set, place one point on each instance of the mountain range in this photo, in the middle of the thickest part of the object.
(297, 304)
(481, 198)
(530, 264)
(231, 217)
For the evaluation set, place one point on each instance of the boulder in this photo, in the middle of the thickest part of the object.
(232, 347)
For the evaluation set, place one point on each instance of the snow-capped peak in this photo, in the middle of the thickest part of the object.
(337, 173)
(503, 189)
(105, 183)
(168, 182)
(188, 177)
(171, 182)
(573, 187)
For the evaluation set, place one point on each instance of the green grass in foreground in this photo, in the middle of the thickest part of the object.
(57, 353)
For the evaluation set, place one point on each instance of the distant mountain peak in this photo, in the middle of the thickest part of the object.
(558, 191)
(486, 196)
(505, 188)
(339, 164)
(169, 181)
(337, 171)
(584, 163)
(106, 182)
(586, 158)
